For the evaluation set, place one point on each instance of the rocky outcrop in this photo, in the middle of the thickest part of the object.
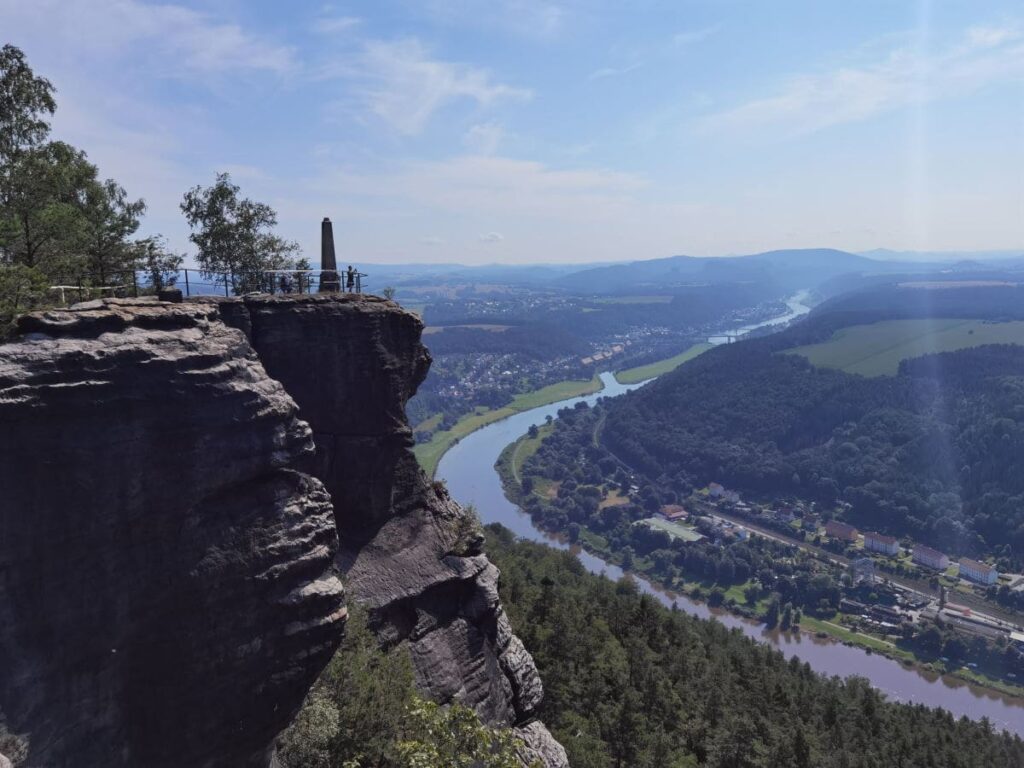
(176, 479)
(167, 587)
(407, 550)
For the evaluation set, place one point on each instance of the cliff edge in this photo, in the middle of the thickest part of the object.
(407, 551)
(167, 587)
(183, 485)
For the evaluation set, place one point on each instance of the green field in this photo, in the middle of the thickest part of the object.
(644, 372)
(429, 424)
(429, 454)
(876, 349)
(432, 329)
(525, 447)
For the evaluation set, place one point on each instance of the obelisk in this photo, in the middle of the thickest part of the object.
(328, 264)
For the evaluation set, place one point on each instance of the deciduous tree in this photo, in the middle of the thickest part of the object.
(234, 234)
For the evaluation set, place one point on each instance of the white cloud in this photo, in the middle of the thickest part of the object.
(335, 25)
(902, 77)
(172, 37)
(605, 72)
(487, 187)
(692, 36)
(491, 204)
(484, 138)
(990, 37)
(431, 241)
(490, 185)
(400, 83)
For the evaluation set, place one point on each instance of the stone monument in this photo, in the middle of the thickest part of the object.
(329, 280)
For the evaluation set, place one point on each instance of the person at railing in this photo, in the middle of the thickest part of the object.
(350, 278)
(286, 283)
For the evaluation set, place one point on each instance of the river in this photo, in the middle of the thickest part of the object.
(468, 469)
(795, 307)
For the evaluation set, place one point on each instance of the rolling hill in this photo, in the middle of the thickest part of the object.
(790, 269)
(931, 451)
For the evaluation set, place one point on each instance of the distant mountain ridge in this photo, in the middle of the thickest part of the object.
(793, 268)
(784, 269)
(888, 254)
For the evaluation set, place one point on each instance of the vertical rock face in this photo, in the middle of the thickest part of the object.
(407, 551)
(350, 362)
(167, 592)
(168, 544)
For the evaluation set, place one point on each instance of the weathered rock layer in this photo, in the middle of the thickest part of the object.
(167, 588)
(169, 530)
(407, 550)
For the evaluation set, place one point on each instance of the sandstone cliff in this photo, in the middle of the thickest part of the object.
(167, 592)
(407, 551)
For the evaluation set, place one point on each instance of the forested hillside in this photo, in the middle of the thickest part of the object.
(631, 683)
(929, 452)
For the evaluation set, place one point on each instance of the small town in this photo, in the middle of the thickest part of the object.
(914, 584)
(490, 345)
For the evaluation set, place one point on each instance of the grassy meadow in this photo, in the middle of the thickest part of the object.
(877, 349)
(430, 453)
(649, 371)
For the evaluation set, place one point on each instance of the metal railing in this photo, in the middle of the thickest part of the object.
(286, 281)
(199, 282)
(85, 286)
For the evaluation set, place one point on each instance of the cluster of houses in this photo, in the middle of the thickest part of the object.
(721, 530)
(972, 570)
(604, 355)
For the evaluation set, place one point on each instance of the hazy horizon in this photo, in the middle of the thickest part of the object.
(549, 131)
(940, 256)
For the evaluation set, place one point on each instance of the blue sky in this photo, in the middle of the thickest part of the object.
(540, 130)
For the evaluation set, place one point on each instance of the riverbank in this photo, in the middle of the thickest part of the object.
(732, 598)
(468, 470)
(655, 369)
(429, 453)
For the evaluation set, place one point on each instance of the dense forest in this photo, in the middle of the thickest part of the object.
(573, 486)
(927, 453)
(774, 576)
(629, 682)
